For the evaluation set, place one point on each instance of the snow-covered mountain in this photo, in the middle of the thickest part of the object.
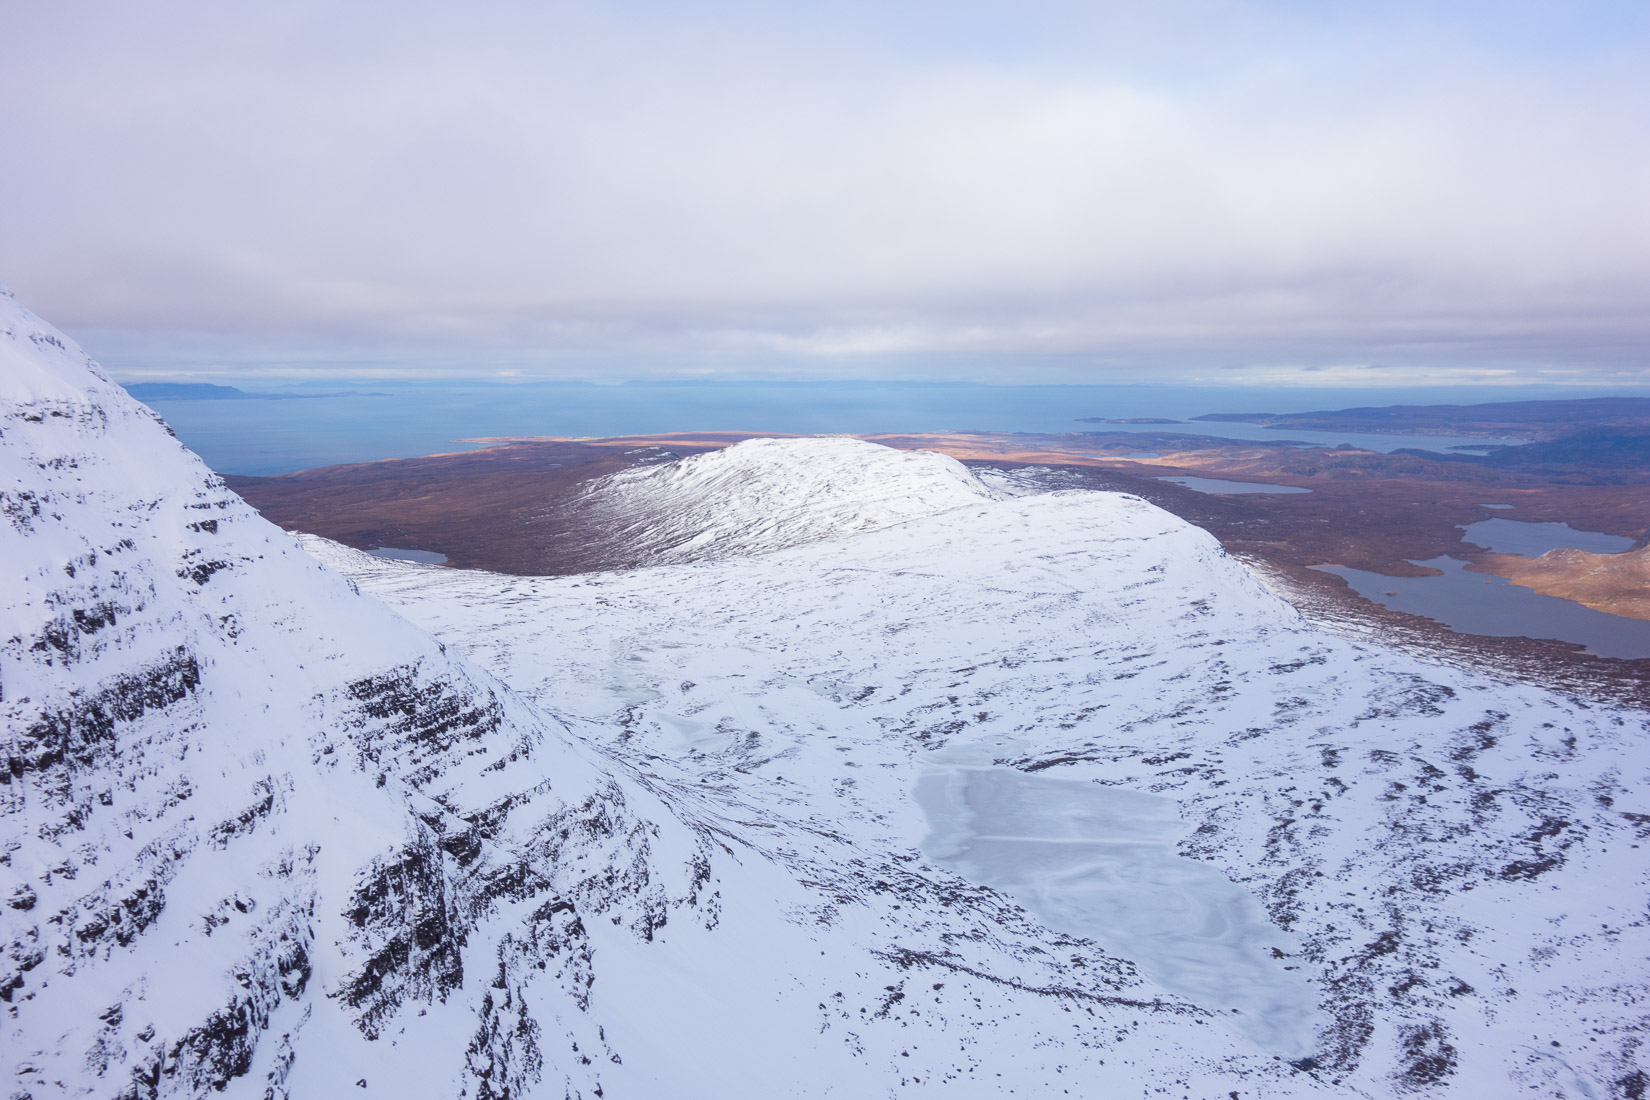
(1056, 697)
(766, 494)
(260, 833)
(962, 794)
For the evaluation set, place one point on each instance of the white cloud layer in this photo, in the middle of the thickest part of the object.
(1081, 188)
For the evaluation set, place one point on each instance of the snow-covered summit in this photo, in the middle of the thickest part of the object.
(766, 494)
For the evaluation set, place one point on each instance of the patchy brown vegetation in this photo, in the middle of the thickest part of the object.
(1366, 510)
(495, 508)
(480, 508)
(1617, 583)
(505, 509)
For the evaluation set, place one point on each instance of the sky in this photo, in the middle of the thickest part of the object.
(1276, 193)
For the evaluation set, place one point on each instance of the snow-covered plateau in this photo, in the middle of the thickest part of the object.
(886, 781)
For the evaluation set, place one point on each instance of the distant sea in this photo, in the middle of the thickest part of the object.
(397, 421)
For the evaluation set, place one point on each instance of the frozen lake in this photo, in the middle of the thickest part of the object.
(1101, 863)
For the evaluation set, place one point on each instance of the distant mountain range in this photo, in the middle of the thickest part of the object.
(1592, 455)
(1536, 420)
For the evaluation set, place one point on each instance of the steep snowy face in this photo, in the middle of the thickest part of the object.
(766, 494)
(256, 829)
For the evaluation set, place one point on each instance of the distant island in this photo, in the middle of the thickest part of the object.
(1530, 420)
(207, 391)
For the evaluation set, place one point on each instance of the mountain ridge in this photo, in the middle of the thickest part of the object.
(156, 629)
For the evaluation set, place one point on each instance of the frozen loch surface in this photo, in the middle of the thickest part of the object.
(1099, 862)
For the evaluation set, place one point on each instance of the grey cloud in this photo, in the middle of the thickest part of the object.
(751, 186)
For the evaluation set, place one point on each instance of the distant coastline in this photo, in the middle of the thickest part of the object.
(207, 391)
(1525, 420)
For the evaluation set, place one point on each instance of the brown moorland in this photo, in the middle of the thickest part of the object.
(504, 508)
(1617, 583)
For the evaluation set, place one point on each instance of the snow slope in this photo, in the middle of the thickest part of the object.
(766, 494)
(258, 833)
(657, 834)
(1448, 863)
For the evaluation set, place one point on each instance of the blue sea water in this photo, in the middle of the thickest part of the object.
(394, 421)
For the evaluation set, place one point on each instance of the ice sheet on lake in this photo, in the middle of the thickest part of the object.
(1100, 862)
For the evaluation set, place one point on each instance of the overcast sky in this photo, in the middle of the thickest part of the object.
(1289, 191)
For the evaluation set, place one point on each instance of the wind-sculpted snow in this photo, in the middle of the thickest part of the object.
(1448, 864)
(765, 494)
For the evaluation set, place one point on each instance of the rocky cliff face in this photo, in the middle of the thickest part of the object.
(657, 833)
(250, 812)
